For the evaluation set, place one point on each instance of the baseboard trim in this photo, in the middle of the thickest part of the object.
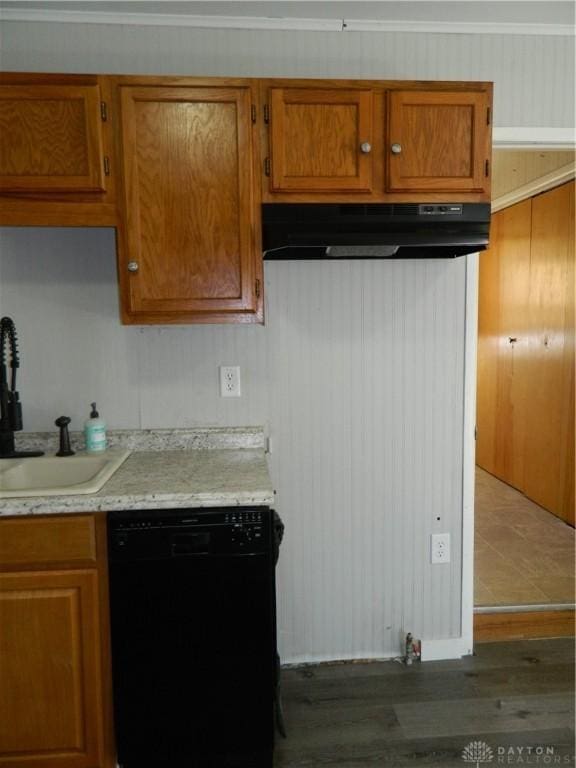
(492, 627)
(447, 648)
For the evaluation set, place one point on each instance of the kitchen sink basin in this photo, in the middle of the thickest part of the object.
(56, 476)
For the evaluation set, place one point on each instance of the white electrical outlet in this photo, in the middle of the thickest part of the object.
(440, 548)
(229, 381)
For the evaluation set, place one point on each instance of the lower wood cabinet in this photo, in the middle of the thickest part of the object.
(54, 654)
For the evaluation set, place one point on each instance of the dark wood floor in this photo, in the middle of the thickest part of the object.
(509, 695)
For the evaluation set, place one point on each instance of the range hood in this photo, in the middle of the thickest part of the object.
(373, 231)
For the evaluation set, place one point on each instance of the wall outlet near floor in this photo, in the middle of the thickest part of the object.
(229, 381)
(440, 548)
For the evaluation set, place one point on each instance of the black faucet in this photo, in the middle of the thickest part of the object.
(10, 405)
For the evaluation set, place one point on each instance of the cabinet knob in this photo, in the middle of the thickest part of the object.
(512, 339)
(396, 149)
(366, 147)
(133, 266)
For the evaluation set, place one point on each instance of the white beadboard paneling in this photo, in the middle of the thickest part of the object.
(534, 80)
(179, 384)
(359, 375)
(359, 372)
(366, 404)
(59, 285)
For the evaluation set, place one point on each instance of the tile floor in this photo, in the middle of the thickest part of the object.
(523, 554)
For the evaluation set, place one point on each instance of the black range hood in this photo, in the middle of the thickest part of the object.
(373, 231)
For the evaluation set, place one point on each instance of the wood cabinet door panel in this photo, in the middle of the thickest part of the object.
(189, 206)
(49, 670)
(316, 137)
(51, 139)
(444, 140)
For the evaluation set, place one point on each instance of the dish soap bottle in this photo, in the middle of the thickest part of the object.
(95, 432)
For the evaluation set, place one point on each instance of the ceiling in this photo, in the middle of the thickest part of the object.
(551, 12)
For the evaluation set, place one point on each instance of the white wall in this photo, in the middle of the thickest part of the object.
(60, 287)
(358, 374)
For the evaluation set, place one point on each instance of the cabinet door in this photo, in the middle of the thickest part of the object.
(189, 250)
(438, 141)
(51, 139)
(50, 687)
(320, 140)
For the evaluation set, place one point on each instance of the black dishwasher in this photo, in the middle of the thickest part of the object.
(193, 623)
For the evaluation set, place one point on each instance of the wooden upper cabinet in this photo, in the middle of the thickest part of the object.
(438, 141)
(51, 138)
(321, 139)
(188, 246)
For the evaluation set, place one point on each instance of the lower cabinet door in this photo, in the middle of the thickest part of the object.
(50, 673)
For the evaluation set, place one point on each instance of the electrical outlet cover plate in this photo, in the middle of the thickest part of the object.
(229, 381)
(440, 548)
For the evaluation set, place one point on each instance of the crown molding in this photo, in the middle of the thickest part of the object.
(282, 23)
(171, 20)
(458, 27)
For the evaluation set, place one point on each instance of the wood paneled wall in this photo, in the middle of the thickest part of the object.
(549, 456)
(526, 350)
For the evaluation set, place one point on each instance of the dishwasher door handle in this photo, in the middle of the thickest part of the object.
(190, 544)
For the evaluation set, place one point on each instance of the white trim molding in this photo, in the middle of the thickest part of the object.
(535, 187)
(525, 608)
(283, 23)
(469, 453)
(458, 27)
(538, 138)
(456, 647)
(171, 20)
(442, 650)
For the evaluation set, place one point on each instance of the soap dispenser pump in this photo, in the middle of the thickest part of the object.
(95, 432)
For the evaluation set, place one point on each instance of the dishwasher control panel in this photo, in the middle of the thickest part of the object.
(159, 534)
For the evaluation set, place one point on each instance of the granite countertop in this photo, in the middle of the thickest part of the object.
(158, 476)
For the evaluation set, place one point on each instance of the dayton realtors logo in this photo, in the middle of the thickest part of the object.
(479, 753)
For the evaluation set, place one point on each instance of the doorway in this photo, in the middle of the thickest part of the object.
(524, 508)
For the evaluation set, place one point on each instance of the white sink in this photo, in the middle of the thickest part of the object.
(58, 475)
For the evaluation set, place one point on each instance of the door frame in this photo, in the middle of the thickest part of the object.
(503, 138)
(469, 451)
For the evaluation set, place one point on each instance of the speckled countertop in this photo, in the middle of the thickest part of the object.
(168, 468)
